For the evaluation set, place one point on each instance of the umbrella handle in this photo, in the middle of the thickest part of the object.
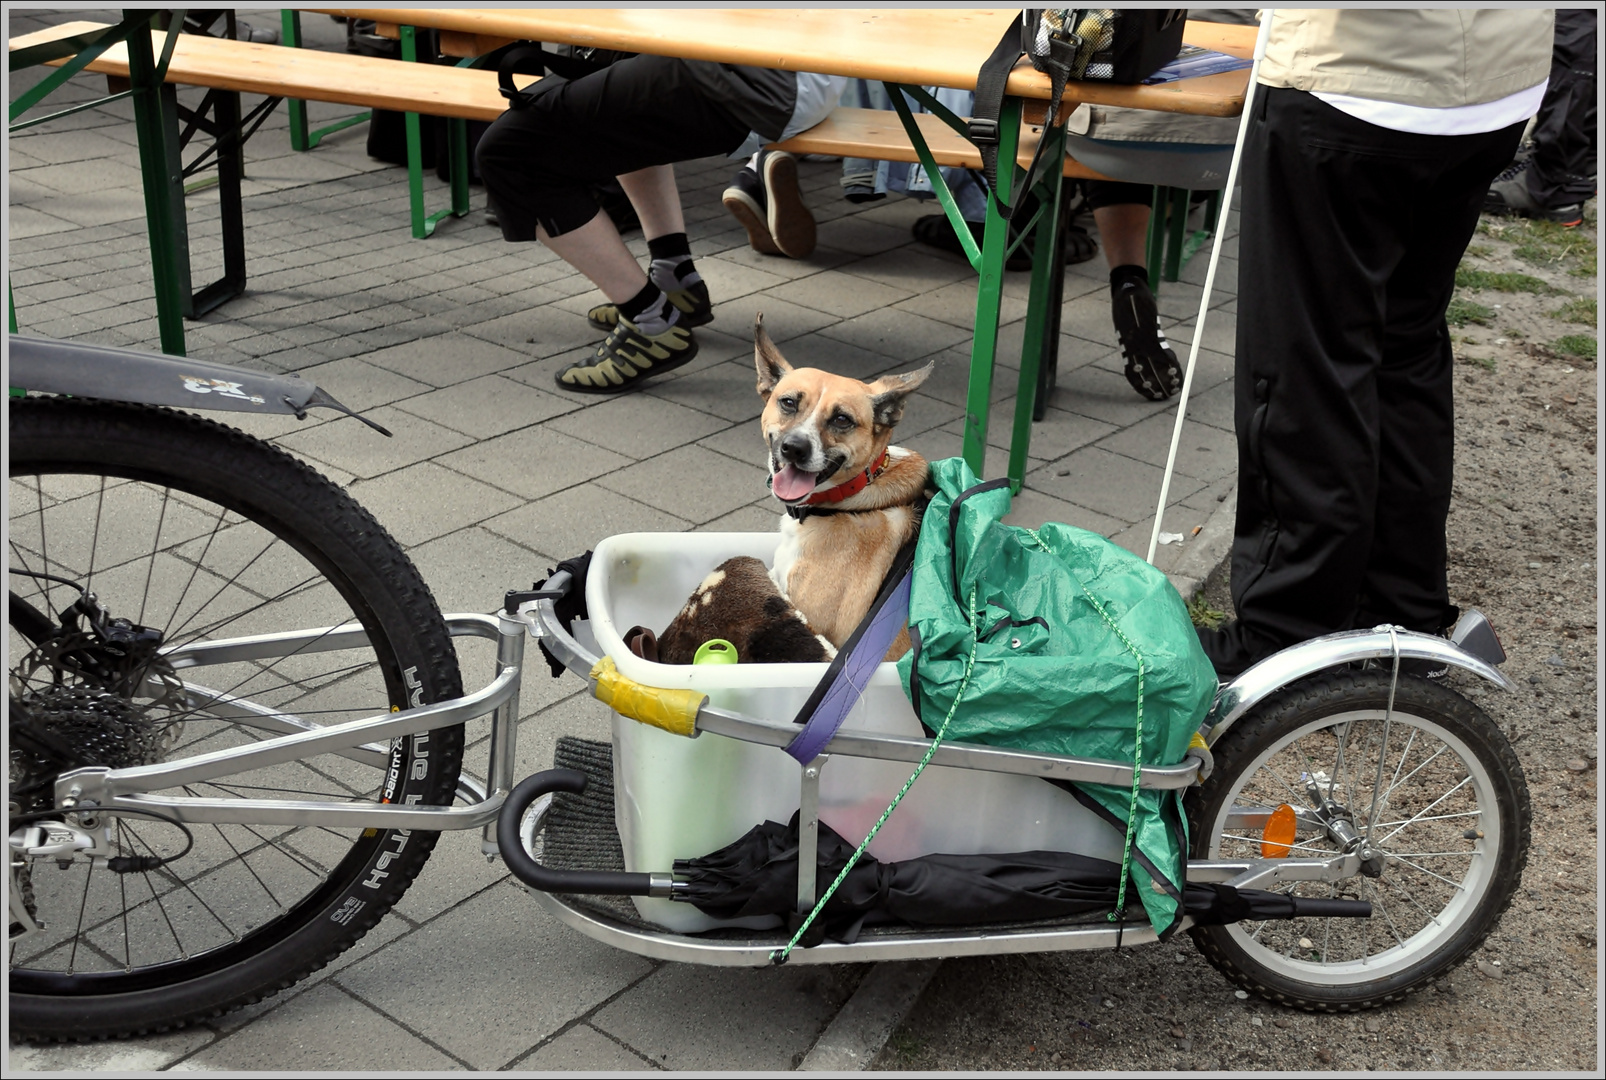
(546, 879)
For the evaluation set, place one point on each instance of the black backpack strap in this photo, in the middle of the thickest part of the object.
(990, 84)
(528, 58)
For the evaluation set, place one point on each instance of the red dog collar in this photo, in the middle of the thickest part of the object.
(852, 487)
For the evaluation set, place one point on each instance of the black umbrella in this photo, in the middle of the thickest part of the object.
(757, 875)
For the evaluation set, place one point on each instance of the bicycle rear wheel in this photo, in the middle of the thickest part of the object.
(135, 532)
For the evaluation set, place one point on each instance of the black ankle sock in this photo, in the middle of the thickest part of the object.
(1127, 272)
(670, 246)
(650, 298)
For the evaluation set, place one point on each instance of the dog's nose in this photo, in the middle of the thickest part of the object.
(796, 449)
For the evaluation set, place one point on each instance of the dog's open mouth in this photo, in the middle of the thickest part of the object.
(792, 483)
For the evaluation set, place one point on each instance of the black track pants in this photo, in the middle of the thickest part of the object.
(539, 162)
(1351, 234)
(1563, 168)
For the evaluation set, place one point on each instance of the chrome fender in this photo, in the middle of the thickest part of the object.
(1297, 661)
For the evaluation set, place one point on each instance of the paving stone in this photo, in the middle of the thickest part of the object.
(541, 331)
(365, 453)
(950, 378)
(749, 1019)
(576, 520)
(471, 569)
(762, 517)
(637, 425)
(1204, 452)
(915, 269)
(861, 236)
(533, 462)
(956, 304)
(425, 501)
(147, 1054)
(839, 357)
(822, 293)
(783, 320)
(433, 984)
(488, 406)
(1031, 508)
(729, 279)
(358, 384)
(323, 1029)
(1093, 390)
(901, 335)
(1109, 483)
(583, 1048)
(727, 390)
(691, 482)
(1213, 406)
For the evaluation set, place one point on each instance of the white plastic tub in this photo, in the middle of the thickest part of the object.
(678, 798)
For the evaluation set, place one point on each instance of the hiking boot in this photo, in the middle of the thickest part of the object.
(696, 309)
(1151, 365)
(1510, 197)
(769, 205)
(627, 358)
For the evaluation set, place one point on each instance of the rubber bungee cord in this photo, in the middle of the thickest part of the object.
(779, 956)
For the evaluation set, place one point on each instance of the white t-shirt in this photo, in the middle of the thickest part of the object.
(1461, 120)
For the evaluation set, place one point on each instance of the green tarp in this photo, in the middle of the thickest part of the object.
(1063, 618)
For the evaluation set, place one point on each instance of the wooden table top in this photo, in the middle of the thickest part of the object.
(926, 47)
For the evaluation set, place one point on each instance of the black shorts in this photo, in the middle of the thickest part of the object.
(539, 162)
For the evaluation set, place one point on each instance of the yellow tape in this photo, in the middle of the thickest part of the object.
(673, 710)
(1198, 742)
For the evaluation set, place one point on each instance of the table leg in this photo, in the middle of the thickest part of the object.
(1036, 343)
(989, 294)
(1178, 228)
(155, 120)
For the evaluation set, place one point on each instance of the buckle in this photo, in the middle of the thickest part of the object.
(982, 131)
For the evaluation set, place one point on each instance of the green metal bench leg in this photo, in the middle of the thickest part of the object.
(155, 119)
(989, 294)
(1178, 225)
(1156, 241)
(300, 137)
(457, 151)
(1036, 343)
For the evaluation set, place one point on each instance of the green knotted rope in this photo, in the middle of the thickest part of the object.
(779, 955)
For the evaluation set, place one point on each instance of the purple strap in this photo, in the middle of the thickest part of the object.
(852, 674)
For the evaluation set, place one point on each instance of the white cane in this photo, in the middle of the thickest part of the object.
(1210, 277)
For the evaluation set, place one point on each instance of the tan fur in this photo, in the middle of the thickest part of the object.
(831, 566)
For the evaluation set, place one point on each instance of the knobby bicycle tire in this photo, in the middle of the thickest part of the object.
(238, 532)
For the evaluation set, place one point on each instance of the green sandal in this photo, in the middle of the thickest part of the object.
(696, 309)
(627, 358)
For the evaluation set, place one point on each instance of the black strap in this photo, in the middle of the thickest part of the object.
(528, 58)
(991, 82)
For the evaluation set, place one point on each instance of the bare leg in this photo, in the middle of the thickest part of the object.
(653, 193)
(596, 250)
(1124, 230)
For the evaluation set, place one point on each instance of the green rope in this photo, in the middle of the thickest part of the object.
(1137, 740)
(1137, 758)
(779, 955)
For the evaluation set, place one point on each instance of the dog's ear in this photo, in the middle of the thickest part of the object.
(772, 366)
(887, 394)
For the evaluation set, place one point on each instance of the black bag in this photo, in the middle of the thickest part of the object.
(1105, 44)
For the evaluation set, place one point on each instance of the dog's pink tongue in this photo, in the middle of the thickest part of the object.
(792, 483)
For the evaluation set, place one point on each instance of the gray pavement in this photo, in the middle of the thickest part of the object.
(494, 474)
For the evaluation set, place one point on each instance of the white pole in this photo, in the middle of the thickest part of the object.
(1210, 278)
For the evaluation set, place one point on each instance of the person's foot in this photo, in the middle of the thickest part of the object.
(627, 358)
(1227, 650)
(1151, 365)
(1510, 197)
(693, 302)
(769, 205)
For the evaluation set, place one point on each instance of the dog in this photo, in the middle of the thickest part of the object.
(852, 498)
(852, 501)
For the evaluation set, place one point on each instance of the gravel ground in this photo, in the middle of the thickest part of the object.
(1524, 549)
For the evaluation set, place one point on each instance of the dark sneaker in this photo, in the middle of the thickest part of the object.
(769, 205)
(1510, 198)
(747, 204)
(627, 358)
(696, 309)
(1151, 365)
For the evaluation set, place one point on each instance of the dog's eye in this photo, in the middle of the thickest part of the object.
(788, 404)
(843, 422)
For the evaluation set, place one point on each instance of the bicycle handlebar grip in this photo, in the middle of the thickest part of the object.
(1316, 908)
(546, 879)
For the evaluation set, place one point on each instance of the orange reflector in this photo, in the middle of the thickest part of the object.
(1278, 835)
